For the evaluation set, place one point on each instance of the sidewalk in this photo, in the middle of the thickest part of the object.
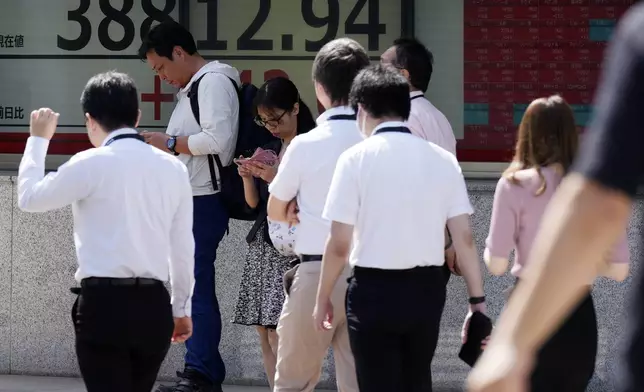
(55, 384)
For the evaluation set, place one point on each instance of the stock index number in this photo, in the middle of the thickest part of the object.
(113, 15)
(330, 20)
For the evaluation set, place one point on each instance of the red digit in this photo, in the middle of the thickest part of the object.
(275, 73)
(246, 76)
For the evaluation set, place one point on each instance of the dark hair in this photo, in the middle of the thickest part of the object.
(413, 56)
(112, 100)
(281, 93)
(547, 135)
(163, 38)
(382, 91)
(336, 65)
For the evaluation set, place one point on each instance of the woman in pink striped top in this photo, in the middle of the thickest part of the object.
(546, 145)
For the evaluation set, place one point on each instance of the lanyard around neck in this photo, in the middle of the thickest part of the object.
(125, 136)
(342, 117)
(392, 129)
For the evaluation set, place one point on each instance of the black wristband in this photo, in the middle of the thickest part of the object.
(476, 300)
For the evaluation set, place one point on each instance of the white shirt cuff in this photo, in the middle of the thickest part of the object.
(37, 146)
(182, 309)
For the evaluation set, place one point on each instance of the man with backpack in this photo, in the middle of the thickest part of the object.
(203, 134)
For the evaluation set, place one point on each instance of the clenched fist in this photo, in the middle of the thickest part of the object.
(43, 123)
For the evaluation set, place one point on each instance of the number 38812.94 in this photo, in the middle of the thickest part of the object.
(113, 15)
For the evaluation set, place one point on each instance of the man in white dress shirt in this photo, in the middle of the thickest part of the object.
(132, 207)
(305, 174)
(391, 197)
(170, 50)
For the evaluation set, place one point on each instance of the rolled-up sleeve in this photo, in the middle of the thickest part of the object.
(343, 201)
(182, 250)
(286, 183)
(218, 115)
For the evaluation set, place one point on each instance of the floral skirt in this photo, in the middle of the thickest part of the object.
(261, 292)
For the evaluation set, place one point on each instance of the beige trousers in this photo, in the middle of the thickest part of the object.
(302, 348)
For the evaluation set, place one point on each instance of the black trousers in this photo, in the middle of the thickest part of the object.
(566, 362)
(122, 336)
(393, 318)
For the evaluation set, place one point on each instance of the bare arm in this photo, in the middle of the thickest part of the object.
(468, 259)
(277, 209)
(336, 255)
(250, 192)
(496, 265)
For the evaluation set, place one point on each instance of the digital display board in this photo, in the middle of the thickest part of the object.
(49, 49)
(518, 50)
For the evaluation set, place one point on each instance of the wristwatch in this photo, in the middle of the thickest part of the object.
(171, 144)
(476, 300)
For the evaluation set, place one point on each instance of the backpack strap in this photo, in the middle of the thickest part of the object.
(193, 95)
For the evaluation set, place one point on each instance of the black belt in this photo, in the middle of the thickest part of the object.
(94, 282)
(307, 258)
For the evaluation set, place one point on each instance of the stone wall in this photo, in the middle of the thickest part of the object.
(37, 264)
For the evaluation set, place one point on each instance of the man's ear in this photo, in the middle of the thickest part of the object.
(405, 73)
(90, 124)
(138, 119)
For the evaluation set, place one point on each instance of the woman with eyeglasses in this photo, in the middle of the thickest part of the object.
(281, 111)
(546, 147)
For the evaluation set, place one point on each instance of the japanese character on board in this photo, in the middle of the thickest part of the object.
(9, 42)
(8, 112)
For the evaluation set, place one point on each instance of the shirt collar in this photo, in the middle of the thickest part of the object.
(389, 124)
(324, 117)
(415, 94)
(121, 131)
(186, 89)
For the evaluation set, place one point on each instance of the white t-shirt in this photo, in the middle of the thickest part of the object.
(398, 191)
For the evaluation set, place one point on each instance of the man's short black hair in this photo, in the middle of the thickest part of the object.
(413, 56)
(163, 37)
(112, 100)
(336, 65)
(382, 91)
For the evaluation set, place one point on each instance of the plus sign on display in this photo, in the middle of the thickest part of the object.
(64, 42)
(519, 50)
(157, 97)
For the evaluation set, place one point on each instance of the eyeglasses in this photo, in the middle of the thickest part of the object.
(269, 123)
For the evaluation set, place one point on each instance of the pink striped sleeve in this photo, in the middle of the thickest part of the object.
(503, 227)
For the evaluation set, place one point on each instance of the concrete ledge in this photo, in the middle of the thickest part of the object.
(37, 263)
